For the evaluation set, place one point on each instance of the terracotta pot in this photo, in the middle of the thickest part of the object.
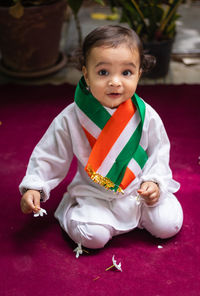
(31, 43)
(162, 52)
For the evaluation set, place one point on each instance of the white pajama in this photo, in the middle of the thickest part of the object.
(89, 213)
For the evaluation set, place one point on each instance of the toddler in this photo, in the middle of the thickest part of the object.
(123, 180)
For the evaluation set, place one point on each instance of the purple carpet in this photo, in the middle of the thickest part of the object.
(38, 259)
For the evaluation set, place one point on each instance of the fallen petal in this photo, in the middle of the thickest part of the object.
(78, 250)
(118, 266)
(98, 277)
(160, 247)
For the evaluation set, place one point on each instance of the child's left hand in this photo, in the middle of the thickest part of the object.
(150, 192)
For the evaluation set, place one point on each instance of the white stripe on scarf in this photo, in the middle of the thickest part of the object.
(88, 124)
(119, 144)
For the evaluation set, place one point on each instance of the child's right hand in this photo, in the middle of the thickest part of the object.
(30, 202)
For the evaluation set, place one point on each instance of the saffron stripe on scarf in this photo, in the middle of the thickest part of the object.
(129, 176)
(90, 138)
(119, 144)
(110, 133)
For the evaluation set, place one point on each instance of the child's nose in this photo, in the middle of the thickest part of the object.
(115, 81)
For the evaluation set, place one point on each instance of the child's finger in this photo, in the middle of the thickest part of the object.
(31, 205)
(144, 186)
(36, 203)
(27, 206)
(142, 191)
(154, 195)
(152, 199)
(33, 200)
(145, 192)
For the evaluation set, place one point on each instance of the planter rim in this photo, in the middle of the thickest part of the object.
(61, 63)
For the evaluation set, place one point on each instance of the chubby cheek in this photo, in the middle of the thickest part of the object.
(96, 87)
(130, 87)
(97, 93)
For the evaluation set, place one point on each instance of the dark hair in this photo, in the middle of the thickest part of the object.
(112, 36)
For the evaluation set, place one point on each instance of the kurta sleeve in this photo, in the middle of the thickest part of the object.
(157, 168)
(51, 158)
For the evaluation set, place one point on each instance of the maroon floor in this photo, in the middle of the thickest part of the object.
(37, 259)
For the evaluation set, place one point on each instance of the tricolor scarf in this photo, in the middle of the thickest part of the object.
(116, 157)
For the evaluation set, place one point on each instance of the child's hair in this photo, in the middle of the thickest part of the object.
(112, 36)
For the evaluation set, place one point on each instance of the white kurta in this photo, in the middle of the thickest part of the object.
(51, 159)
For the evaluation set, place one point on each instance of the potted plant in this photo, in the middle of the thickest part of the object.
(75, 6)
(155, 23)
(30, 32)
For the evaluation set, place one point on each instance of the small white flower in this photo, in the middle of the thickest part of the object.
(160, 247)
(118, 266)
(78, 250)
(41, 213)
(138, 199)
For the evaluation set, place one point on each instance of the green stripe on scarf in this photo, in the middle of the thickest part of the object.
(90, 106)
(140, 156)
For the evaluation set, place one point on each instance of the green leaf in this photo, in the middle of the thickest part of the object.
(151, 19)
(101, 2)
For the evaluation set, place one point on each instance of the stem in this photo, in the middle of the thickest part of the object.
(78, 27)
(110, 267)
(165, 21)
(140, 12)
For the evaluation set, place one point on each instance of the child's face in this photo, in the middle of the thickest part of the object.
(112, 74)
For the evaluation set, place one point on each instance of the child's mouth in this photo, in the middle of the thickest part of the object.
(114, 95)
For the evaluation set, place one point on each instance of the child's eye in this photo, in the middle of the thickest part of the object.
(127, 73)
(103, 72)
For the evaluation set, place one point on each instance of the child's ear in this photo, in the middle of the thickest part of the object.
(140, 72)
(85, 74)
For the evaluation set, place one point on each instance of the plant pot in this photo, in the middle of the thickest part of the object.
(162, 52)
(30, 44)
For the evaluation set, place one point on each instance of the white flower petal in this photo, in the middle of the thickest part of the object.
(41, 213)
(118, 266)
(113, 260)
(138, 199)
(78, 250)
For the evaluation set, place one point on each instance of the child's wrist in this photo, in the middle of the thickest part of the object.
(150, 181)
(41, 192)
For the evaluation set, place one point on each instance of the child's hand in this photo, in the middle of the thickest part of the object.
(150, 192)
(30, 202)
